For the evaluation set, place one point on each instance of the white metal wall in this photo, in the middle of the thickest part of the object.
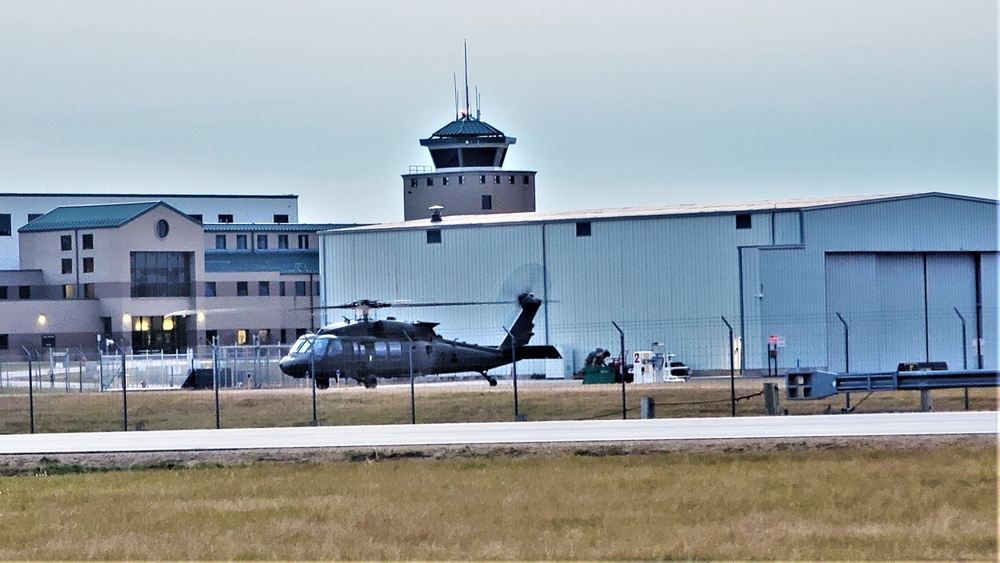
(671, 279)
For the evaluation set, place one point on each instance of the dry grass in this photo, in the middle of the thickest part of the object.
(846, 504)
(390, 404)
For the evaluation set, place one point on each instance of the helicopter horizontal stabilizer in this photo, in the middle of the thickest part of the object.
(537, 353)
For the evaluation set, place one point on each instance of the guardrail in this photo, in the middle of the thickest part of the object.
(814, 385)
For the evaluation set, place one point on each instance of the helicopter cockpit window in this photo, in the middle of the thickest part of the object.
(302, 345)
(321, 344)
(380, 349)
(335, 348)
(395, 349)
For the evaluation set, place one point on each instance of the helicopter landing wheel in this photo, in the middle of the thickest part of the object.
(371, 382)
(322, 383)
(493, 382)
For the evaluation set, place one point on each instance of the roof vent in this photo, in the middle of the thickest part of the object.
(436, 213)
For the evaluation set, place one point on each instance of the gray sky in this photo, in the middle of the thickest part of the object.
(614, 103)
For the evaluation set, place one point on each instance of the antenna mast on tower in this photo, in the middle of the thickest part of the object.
(465, 44)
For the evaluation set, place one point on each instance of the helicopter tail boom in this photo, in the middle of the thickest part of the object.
(537, 353)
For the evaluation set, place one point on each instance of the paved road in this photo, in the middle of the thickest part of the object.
(894, 424)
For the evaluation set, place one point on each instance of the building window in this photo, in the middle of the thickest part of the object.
(241, 242)
(210, 289)
(413, 182)
(67, 266)
(303, 242)
(433, 236)
(4, 341)
(482, 178)
(33, 216)
(283, 242)
(89, 292)
(300, 289)
(211, 336)
(583, 229)
(87, 242)
(24, 292)
(743, 221)
(162, 228)
(262, 242)
(88, 265)
(264, 288)
(281, 289)
(496, 179)
(487, 202)
(316, 289)
(242, 289)
(527, 179)
(161, 274)
(225, 218)
(430, 181)
(69, 291)
(66, 242)
(461, 180)
(444, 181)
(281, 218)
(282, 336)
(197, 217)
(4, 224)
(3, 292)
(220, 242)
(512, 179)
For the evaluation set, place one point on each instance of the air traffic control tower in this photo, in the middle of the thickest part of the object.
(468, 176)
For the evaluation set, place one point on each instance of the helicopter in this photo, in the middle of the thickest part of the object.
(366, 349)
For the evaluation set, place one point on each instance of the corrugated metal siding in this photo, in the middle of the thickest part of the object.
(925, 224)
(671, 279)
(951, 284)
(793, 306)
(990, 282)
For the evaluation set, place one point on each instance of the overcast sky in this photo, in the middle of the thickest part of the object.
(615, 104)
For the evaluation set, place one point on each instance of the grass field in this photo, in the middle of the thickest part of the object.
(851, 503)
(59, 411)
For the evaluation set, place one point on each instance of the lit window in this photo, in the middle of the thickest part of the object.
(89, 292)
(69, 291)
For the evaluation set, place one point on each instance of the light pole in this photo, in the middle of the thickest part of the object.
(732, 368)
(215, 379)
(847, 360)
(31, 395)
(621, 334)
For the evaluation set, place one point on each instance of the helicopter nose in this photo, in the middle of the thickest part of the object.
(289, 366)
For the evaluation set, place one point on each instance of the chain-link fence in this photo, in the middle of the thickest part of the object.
(73, 370)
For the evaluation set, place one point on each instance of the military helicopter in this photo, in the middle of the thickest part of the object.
(367, 349)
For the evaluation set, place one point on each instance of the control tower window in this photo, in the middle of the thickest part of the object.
(446, 158)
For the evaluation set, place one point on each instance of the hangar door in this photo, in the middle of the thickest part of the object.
(899, 307)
